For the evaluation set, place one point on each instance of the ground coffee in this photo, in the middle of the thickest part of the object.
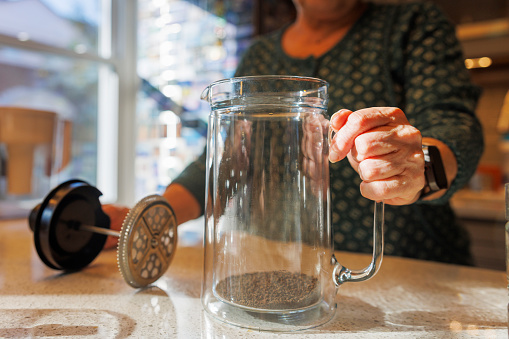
(271, 290)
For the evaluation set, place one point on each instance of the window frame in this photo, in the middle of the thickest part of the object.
(118, 84)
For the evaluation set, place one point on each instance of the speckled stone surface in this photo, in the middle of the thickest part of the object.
(407, 299)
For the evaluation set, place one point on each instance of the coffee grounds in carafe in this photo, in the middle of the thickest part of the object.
(275, 290)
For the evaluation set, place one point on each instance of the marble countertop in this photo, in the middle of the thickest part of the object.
(407, 299)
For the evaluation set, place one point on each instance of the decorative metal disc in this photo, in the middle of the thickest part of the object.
(147, 242)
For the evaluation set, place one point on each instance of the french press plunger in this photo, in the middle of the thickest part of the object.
(70, 230)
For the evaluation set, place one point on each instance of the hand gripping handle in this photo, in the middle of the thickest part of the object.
(343, 274)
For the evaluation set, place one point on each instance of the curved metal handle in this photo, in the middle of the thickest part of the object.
(343, 274)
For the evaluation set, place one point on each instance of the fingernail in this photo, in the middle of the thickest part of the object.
(336, 115)
(333, 156)
(341, 111)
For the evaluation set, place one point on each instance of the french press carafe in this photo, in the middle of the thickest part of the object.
(269, 256)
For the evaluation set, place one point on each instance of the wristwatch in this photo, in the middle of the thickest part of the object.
(434, 171)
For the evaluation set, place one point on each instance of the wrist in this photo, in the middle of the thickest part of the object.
(434, 172)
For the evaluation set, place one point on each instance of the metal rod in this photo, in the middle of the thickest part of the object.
(100, 230)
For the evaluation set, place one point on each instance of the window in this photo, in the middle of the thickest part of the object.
(68, 57)
(183, 46)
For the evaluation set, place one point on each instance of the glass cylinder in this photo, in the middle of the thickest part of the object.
(269, 256)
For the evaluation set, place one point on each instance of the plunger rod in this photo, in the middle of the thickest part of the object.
(73, 224)
(100, 230)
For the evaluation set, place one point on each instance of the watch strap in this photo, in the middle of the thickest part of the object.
(434, 171)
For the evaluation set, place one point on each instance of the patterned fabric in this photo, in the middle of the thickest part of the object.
(395, 55)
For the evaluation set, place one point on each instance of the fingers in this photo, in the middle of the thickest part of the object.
(337, 121)
(349, 125)
(117, 215)
(384, 149)
(394, 191)
(391, 177)
(386, 140)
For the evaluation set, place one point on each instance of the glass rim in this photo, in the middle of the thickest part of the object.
(270, 77)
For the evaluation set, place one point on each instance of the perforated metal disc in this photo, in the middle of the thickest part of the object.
(147, 242)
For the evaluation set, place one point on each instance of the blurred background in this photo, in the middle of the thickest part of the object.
(108, 91)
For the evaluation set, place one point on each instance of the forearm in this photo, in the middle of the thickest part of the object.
(184, 204)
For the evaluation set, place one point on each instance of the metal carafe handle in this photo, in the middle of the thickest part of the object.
(343, 274)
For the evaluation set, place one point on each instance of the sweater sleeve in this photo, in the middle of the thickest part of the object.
(193, 179)
(439, 98)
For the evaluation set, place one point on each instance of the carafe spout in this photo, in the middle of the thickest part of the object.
(205, 94)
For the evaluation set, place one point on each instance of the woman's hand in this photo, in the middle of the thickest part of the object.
(117, 215)
(384, 149)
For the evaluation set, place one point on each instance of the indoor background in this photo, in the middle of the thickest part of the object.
(124, 80)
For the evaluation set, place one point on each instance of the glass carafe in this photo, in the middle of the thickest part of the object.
(269, 258)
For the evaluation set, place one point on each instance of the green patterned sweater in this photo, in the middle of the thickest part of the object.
(395, 55)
